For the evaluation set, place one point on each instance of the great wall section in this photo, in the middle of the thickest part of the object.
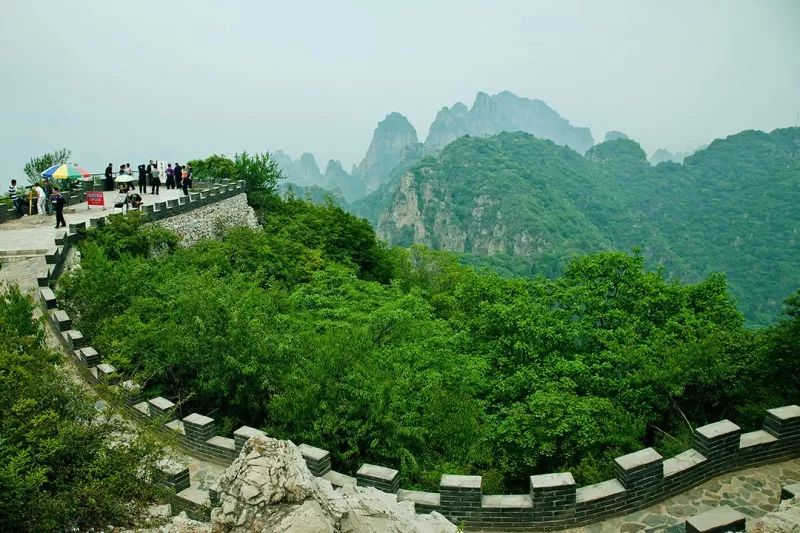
(554, 501)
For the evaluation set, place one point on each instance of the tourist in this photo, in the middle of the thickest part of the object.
(170, 177)
(185, 180)
(189, 174)
(40, 198)
(128, 170)
(135, 200)
(14, 197)
(142, 179)
(155, 178)
(59, 201)
(109, 177)
(48, 190)
(178, 176)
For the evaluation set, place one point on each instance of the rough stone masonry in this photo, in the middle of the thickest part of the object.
(212, 220)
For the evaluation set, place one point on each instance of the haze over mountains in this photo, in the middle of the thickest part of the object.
(395, 139)
(512, 185)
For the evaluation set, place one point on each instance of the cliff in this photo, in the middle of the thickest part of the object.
(392, 139)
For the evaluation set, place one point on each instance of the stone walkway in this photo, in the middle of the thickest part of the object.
(753, 492)
(37, 232)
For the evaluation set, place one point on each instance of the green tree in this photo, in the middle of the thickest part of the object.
(61, 464)
(34, 168)
(213, 168)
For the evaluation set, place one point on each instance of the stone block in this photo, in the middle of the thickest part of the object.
(131, 390)
(89, 356)
(717, 520)
(553, 494)
(149, 208)
(719, 443)
(74, 339)
(61, 238)
(172, 474)
(172, 203)
(105, 371)
(198, 428)
(241, 435)
(51, 256)
(380, 477)
(642, 475)
(784, 423)
(97, 222)
(160, 206)
(317, 459)
(790, 491)
(461, 498)
(47, 297)
(78, 226)
(161, 407)
(43, 278)
(183, 200)
(60, 320)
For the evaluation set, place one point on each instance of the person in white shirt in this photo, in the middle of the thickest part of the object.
(40, 199)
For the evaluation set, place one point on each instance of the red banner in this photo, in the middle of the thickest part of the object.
(95, 198)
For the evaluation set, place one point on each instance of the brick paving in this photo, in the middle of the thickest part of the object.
(753, 492)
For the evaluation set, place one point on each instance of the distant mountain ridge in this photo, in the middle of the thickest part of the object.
(395, 140)
(505, 111)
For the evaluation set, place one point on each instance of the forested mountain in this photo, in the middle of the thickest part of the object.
(525, 205)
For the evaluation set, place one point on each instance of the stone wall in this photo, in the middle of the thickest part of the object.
(211, 220)
(553, 501)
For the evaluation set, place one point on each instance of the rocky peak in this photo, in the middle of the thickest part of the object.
(390, 140)
(505, 111)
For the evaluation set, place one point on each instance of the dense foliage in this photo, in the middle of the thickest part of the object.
(260, 173)
(526, 206)
(313, 330)
(61, 466)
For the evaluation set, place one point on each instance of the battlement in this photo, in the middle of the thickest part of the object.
(554, 500)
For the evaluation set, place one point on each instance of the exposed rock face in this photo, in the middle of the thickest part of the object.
(337, 179)
(390, 142)
(505, 112)
(269, 489)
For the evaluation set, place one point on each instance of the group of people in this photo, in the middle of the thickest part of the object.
(177, 177)
(44, 192)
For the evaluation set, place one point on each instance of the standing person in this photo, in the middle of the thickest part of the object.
(189, 174)
(109, 177)
(185, 180)
(178, 176)
(40, 198)
(128, 170)
(58, 203)
(155, 178)
(14, 197)
(170, 177)
(48, 190)
(142, 179)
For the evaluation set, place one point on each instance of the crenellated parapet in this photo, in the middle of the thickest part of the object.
(553, 501)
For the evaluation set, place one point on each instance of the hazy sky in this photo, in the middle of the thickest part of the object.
(124, 81)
